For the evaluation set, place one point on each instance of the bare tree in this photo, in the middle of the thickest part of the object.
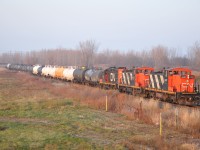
(88, 49)
(194, 55)
(160, 56)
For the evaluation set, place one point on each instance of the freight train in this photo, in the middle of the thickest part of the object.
(174, 85)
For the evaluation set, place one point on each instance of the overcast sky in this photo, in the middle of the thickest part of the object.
(114, 24)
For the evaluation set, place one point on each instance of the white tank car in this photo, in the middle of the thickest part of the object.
(48, 71)
(68, 73)
(52, 71)
(45, 71)
(8, 65)
(35, 69)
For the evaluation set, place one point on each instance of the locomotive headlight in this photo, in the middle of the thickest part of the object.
(187, 80)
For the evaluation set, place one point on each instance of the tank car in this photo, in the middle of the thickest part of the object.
(14, 67)
(24, 67)
(52, 71)
(8, 66)
(92, 76)
(68, 73)
(35, 69)
(79, 75)
(96, 76)
(46, 70)
(39, 70)
(29, 68)
(88, 75)
(59, 72)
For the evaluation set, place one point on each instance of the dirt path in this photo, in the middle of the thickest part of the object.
(25, 120)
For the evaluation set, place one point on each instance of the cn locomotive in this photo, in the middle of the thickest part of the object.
(174, 85)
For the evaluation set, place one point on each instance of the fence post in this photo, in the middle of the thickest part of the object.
(176, 114)
(160, 124)
(106, 103)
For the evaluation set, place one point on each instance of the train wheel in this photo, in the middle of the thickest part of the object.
(120, 90)
(131, 92)
(171, 99)
(154, 96)
(197, 101)
(182, 101)
(148, 95)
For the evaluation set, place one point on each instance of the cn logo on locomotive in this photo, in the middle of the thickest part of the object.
(112, 77)
(185, 85)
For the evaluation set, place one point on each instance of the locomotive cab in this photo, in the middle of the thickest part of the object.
(142, 76)
(111, 77)
(180, 80)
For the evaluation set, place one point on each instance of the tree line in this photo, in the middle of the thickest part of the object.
(87, 54)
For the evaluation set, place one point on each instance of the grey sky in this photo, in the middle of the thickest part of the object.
(115, 24)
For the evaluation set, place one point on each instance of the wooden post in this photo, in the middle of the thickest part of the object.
(160, 124)
(176, 123)
(106, 103)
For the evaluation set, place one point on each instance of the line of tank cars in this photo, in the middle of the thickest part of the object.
(174, 85)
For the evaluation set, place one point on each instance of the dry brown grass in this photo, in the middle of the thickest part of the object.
(148, 111)
(138, 108)
(134, 108)
(187, 146)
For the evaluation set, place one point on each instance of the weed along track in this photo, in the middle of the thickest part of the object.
(38, 113)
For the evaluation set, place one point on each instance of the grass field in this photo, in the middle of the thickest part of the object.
(36, 114)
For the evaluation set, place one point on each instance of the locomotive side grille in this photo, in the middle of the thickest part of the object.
(151, 82)
(127, 78)
(162, 79)
(123, 78)
(156, 81)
